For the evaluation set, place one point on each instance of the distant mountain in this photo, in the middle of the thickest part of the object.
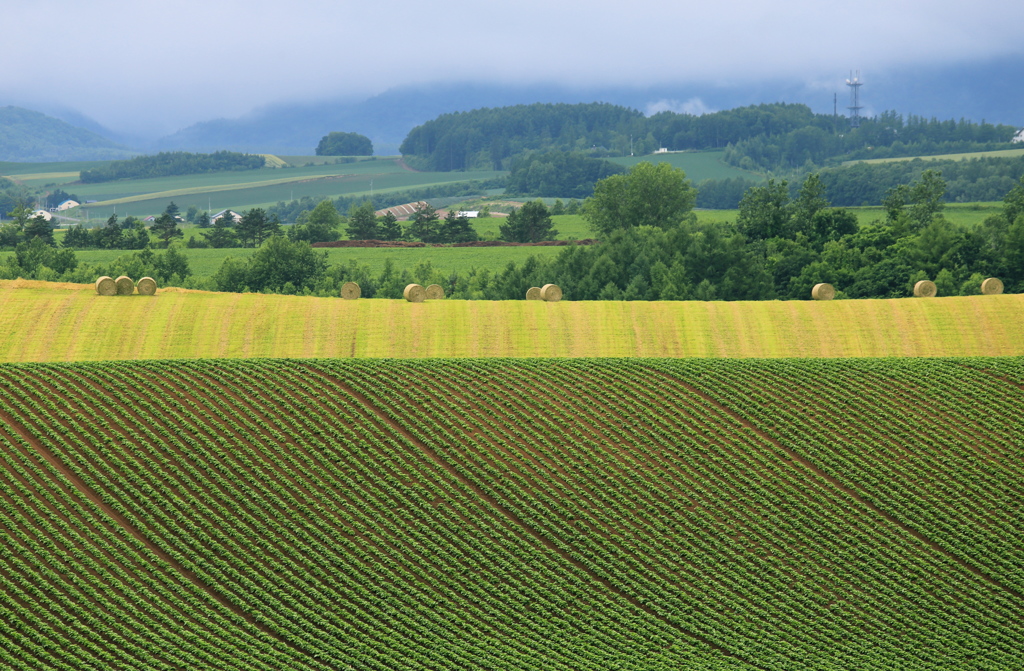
(975, 91)
(29, 136)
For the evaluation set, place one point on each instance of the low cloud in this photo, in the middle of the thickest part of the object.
(694, 106)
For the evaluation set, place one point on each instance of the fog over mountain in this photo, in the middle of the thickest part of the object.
(151, 69)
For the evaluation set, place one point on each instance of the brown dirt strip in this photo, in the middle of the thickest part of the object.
(88, 493)
(852, 493)
(385, 419)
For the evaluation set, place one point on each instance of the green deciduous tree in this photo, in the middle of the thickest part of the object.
(648, 195)
(765, 211)
(344, 144)
(319, 225)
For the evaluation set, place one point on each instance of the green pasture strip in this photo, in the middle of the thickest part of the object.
(48, 322)
(999, 153)
(699, 165)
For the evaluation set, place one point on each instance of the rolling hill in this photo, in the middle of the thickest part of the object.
(29, 136)
(512, 514)
(53, 322)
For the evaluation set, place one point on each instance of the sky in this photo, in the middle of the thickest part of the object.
(155, 67)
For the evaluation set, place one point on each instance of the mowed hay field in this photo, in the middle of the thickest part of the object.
(53, 322)
(564, 515)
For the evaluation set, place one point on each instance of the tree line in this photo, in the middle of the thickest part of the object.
(166, 164)
(777, 136)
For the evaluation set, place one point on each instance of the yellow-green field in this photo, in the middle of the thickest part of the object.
(60, 322)
(1000, 153)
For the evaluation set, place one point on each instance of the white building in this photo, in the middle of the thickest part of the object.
(67, 205)
(1019, 137)
(42, 213)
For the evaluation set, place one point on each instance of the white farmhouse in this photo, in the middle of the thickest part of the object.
(42, 213)
(1019, 137)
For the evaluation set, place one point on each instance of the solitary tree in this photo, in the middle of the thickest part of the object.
(344, 144)
(648, 195)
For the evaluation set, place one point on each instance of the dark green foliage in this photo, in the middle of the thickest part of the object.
(255, 226)
(529, 223)
(486, 137)
(649, 195)
(344, 144)
(722, 194)
(558, 173)
(166, 228)
(280, 265)
(222, 234)
(58, 196)
(456, 229)
(318, 225)
(34, 253)
(166, 164)
(388, 227)
(39, 228)
(424, 225)
(362, 223)
(30, 137)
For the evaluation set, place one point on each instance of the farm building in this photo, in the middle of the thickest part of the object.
(44, 214)
(1019, 137)
(67, 205)
(236, 217)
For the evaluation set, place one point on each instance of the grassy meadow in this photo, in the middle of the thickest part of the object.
(64, 322)
(1000, 153)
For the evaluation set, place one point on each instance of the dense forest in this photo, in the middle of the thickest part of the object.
(557, 174)
(166, 164)
(777, 136)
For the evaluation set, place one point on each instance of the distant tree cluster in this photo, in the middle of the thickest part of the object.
(166, 164)
(557, 174)
(344, 144)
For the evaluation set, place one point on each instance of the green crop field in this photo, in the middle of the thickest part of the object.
(699, 165)
(1000, 153)
(53, 322)
(574, 515)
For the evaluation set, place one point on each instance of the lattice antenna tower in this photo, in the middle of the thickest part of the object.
(855, 107)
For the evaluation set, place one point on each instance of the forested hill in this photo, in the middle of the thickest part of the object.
(166, 164)
(775, 136)
(27, 136)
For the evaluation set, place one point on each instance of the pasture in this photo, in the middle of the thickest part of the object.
(54, 322)
(999, 153)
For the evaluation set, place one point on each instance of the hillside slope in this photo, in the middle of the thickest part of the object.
(54, 322)
(513, 514)
(32, 137)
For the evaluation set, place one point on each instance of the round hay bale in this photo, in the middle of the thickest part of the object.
(414, 293)
(125, 286)
(350, 291)
(533, 294)
(552, 293)
(146, 286)
(434, 292)
(925, 289)
(823, 292)
(992, 286)
(105, 286)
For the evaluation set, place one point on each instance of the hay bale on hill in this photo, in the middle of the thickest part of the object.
(105, 286)
(350, 291)
(533, 294)
(926, 289)
(146, 286)
(414, 293)
(823, 292)
(125, 286)
(434, 292)
(992, 286)
(552, 293)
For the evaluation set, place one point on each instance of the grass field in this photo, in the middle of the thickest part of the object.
(565, 515)
(52, 322)
(1001, 153)
(699, 165)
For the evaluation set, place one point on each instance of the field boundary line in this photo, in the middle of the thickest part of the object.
(394, 425)
(86, 491)
(853, 493)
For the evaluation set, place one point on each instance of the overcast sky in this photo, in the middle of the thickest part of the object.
(145, 67)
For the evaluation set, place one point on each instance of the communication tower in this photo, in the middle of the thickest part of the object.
(855, 107)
